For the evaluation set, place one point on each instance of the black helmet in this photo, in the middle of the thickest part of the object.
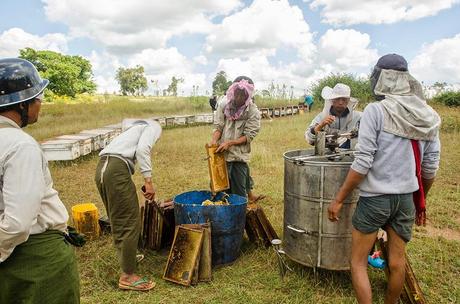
(19, 81)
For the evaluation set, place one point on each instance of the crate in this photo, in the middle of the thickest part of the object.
(180, 120)
(86, 142)
(104, 136)
(170, 121)
(160, 120)
(191, 119)
(61, 149)
(115, 128)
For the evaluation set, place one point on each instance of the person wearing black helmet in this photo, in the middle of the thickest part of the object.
(399, 152)
(37, 265)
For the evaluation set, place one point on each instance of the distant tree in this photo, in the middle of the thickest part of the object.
(220, 84)
(132, 80)
(68, 75)
(360, 87)
(172, 88)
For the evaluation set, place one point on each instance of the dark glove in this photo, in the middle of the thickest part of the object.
(74, 238)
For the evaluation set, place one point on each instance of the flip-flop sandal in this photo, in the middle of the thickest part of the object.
(136, 285)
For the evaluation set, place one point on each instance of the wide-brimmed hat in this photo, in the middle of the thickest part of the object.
(339, 90)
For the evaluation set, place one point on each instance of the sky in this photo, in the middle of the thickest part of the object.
(292, 42)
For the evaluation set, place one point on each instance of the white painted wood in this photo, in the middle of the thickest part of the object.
(61, 149)
(85, 141)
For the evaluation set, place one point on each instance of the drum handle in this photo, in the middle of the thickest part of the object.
(296, 229)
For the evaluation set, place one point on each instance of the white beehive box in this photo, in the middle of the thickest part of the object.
(276, 112)
(283, 112)
(295, 110)
(160, 120)
(180, 120)
(61, 149)
(116, 129)
(103, 136)
(289, 110)
(209, 118)
(85, 141)
(170, 121)
(200, 118)
(190, 119)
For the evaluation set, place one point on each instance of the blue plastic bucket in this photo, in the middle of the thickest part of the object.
(227, 222)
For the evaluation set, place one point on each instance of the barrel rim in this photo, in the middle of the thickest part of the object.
(209, 192)
(310, 162)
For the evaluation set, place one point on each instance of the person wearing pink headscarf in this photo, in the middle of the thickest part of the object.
(236, 124)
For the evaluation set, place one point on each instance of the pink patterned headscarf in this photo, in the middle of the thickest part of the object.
(232, 111)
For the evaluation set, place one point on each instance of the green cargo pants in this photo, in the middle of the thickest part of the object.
(119, 196)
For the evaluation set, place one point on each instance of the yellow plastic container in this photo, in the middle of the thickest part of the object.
(85, 218)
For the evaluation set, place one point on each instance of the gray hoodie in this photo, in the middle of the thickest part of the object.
(135, 144)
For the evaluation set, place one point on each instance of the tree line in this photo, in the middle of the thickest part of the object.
(70, 75)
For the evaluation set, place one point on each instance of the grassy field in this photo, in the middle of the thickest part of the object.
(179, 166)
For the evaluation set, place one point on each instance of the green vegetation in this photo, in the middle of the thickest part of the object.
(448, 98)
(220, 84)
(360, 87)
(68, 75)
(132, 80)
(178, 166)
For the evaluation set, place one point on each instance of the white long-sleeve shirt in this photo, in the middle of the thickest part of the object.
(28, 202)
(135, 143)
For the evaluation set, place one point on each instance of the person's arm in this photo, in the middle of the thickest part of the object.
(227, 144)
(367, 145)
(310, 133)
(351, 182)
(150, 134)
(219, 124)
(215, 137)
(430, 164)
(23, 190)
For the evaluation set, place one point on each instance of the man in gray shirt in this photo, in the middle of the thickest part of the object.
(398, 157)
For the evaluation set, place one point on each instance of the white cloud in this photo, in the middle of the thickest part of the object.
(259, 30)
(162, 64)
(338, 51)
(438, 61)
(105, 66)
(14, 39)
(346, 49)
(130, 26)
(340, 12)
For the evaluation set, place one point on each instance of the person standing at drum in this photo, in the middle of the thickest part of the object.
(399, 151)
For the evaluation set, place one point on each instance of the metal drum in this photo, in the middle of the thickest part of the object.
(310, 184)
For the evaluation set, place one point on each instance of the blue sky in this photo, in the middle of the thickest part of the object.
(288, 42)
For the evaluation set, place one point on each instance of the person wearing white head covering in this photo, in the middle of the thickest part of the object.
(338, 114)
(398, 157)
(119, 194)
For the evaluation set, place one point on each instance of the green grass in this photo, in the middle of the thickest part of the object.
(179, 166)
